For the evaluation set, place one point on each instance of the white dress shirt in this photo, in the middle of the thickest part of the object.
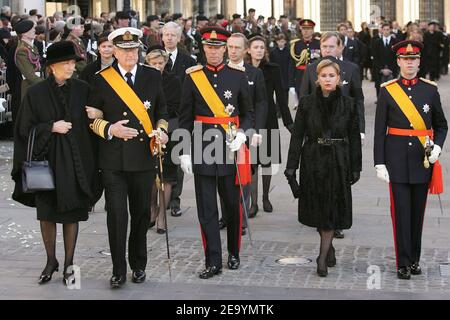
(123, 72)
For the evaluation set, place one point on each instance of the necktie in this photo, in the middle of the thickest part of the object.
(128, 75)
(169, 64)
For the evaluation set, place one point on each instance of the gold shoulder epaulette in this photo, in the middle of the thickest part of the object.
(429, 81)
(102, 69)
(388, 83)
(194, 69)
(235, 67)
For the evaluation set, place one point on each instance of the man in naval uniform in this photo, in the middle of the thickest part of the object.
(135, 117)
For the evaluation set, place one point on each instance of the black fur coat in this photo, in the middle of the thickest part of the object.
(326, 171)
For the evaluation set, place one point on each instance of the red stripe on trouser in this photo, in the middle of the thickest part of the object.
(240, 221)
(394, 223)
(203, 239)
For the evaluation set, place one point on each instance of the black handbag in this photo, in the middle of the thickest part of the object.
(36, 175)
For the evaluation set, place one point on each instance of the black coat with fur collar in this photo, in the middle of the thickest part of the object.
(326, 172)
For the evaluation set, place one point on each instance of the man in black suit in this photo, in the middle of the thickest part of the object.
(409, 120)
(331, 46)
(177, 64)
(384, 60)
(179, 61)
(351, 50)
(132, 100)
(237, 46)
(216, 97)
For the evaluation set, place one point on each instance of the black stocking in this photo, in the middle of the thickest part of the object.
(326, 241)
(266, 185)
(70, 231)
(48, 231)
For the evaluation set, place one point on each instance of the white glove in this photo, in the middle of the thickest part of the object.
(434, 154)
(292, 98)
(363, 136)
(186, 163)
(382, 173)
(256, 140)
(236, 144)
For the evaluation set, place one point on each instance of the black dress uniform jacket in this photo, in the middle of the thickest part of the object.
(132, 155)
(351, 85)
(296, 75)
(223, 79)
(403, 156)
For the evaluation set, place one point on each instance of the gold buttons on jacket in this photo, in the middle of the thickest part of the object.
(141, 139)
(410, 143)
(125, 114)
(215, 85)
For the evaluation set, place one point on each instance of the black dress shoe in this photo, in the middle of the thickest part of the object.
(253, 211)
(176, 212)
(151, 224)
(339, 234)
(267, 206)
(46, 277)
(415, 269)
(331, 257)
(138, 276)
(244, 231)
(233, 262)
(322, 269)
(210, 272)
(222, 224)
(404, 273)
(160, 231)
(117, 281)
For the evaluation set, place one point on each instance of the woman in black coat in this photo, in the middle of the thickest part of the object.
(55, 108)
(258, 57)
(327, 143)
(157, 57)
(105, 59)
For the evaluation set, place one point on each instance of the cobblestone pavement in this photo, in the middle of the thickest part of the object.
(275, 236)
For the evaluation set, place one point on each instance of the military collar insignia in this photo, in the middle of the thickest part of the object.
(215, 69)
(411, 82)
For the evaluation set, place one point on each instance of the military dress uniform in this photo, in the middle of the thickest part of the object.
(408, 110)
(230, 87)
(302, 53)
(27, 58)
(80, 49)
(128, 166)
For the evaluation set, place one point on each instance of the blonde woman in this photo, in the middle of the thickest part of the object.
(327, 141)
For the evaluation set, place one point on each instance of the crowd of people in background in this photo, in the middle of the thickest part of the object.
(285, 51)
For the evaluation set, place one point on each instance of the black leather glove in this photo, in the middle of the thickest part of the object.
(290, 128)
(292, 180)
(355, 177)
